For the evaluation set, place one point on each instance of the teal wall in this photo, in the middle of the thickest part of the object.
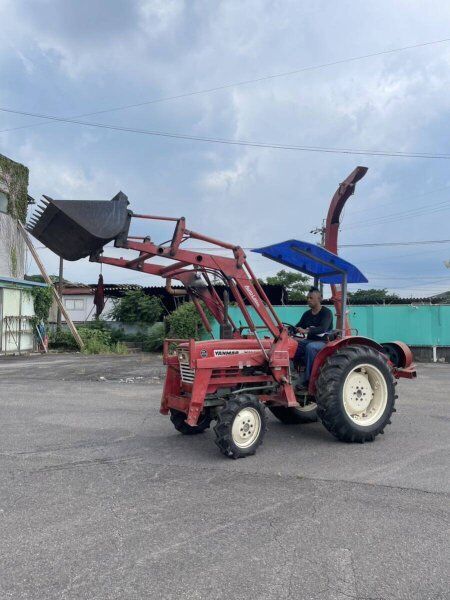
(417, 325)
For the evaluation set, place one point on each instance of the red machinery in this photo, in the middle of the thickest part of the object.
(231, 379)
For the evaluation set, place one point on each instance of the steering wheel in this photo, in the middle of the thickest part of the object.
(290, 328)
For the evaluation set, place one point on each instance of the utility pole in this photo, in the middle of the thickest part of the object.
(315, 231)
(60, 290)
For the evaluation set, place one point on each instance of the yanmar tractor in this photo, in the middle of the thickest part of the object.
(233, 379)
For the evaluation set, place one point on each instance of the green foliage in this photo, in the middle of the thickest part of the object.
(40, 279)
(16, 176)
(185, 322)
(62, 339)
(42, 301)
(13, 256)
(96, 340)
(371, 295)
(296, 284)
(137, 307)
(153, 341)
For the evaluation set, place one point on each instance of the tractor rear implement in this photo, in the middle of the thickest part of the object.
(231, 380)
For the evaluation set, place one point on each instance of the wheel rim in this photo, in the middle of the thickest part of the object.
(246, 427)
(306, 408)
(365, 395)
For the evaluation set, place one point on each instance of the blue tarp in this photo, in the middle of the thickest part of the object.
(312, 260)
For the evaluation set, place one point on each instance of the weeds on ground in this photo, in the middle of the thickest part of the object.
(96, 341)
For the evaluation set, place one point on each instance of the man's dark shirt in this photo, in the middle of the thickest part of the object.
(319, 323)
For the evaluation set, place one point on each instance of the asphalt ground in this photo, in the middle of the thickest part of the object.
(100, 498)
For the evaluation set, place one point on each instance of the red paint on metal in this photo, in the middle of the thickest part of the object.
(405, 352)
(340, 197)
(407, 373)
(331, 348)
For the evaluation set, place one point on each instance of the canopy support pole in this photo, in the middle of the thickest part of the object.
(344, 322)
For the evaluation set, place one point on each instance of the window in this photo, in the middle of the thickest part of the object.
(72, 304)
(3, 202)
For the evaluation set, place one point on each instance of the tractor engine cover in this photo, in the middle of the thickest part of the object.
(74, 229)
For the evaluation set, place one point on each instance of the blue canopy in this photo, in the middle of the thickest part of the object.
(312, 260)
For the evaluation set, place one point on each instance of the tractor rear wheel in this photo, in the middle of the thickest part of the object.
(295, 415)
(241, 426)
(178, 419)
(355, 394)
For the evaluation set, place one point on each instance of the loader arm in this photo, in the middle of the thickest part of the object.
(192, 269)
(75, 229)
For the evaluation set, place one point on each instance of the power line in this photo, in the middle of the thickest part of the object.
(400, 216)
(253, 144)
(418, 243)
(368, 245)
(420, 285)
(245, 82)
(365, 210)
(430, 278)
(402, 213)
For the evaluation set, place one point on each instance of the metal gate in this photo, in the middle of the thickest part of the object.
(16, 311)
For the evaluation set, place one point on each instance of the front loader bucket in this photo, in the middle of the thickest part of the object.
(74, 229)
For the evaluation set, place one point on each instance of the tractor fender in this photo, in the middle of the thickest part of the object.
(332, 347)
(399, 354)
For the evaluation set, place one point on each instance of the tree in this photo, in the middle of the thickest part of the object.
(42, 302)
(137, 307)
(185, 322)
(295, 284)
(377, 296)
(40, 279)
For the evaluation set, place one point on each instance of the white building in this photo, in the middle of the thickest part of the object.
(78, 300)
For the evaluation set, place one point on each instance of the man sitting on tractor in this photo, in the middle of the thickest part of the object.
(313, 324)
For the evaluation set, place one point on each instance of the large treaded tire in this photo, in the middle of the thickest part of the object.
(234, 408)
(178, 419)
(294, 415)
(329, 393)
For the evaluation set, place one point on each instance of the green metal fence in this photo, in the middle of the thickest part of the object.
(415, 324)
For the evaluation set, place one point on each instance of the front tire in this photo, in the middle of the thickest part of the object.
(241, 426)
(355, 394)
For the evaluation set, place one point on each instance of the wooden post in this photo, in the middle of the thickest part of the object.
(60, 289)
(49, 282)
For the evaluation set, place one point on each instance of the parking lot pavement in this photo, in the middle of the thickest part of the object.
(102, 499)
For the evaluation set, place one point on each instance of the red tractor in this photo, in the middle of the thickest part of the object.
(233, 379)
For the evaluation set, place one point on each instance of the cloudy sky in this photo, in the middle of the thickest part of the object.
(73, 57)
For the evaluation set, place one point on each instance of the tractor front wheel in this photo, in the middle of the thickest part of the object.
(178, 419)
(355, 394)
(241, 426)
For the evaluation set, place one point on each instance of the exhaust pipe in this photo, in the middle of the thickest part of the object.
(74, 229)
